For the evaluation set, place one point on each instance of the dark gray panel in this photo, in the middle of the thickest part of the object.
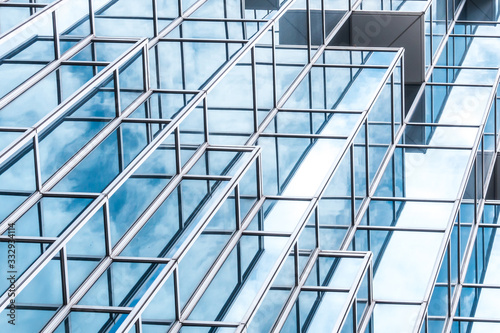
(479, 10)
(262, 4)
(386, 29)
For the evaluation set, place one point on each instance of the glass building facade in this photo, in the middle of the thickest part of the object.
(249, 166)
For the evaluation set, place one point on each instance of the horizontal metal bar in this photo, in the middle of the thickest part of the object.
(23, 5)
(101, 309)
(29, 239)
(303, 136)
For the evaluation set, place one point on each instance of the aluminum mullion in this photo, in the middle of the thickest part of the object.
(4, 3)
(107, 229)
(64, 275)
(138, 325)
(386, 160)
(324, 289)
(265, 233)
(146, 260)
(198, 323)
(87, 213)
(328, 111)
(70, 102)
(422, 124)
(463, 185)
(30, 239)
(389, 228)
(32, 20)
(200, 97)
(305, 71)
(450, 147)
(49, 68)
(392, 148)
(179, 254)
(63, 171)
(91, 17)
(256, 303)
(43, 123)
(479, 320)
(94, 63)
(358, 280)
(384, 301)
(155, 17)
(357, 66)
(106, 262)
(24, 62)
(314, 203)
(287, 308)
(254, 91)
(55, 32)
(463, 268)
(230, 246)
(379, 198)
(176, 22)
(443, 43)
(227, 19)
(303, 136)
(177, 302)
(51, 251)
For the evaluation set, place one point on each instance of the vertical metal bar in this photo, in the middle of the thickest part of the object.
(448, 263)
(308, 30)
(138, 325)
(323, 22)
(237, 207)
(495, 124)
(178, 161)
(57, 47)
(226, 28)
(107, 228)
(296, 263)
(316, 227)
(32, 9)
(239, 270)
(393, 120)
(402, 82)
(64, 275)
(41, 228)
(276, 151)
(431, 38)
(254, 91)
(109, 280)
(367, 160)
(116, 87)
(37, 163)
(149, 126)
(120, 150)
(242, 15)
(145, 68)
(260, 190)
(93, 51)
(353, 185)
(205, 120)
(354, 314)
(179, 7)
(154, 3)
(92, 17)
(459, 242)
(177, 294)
